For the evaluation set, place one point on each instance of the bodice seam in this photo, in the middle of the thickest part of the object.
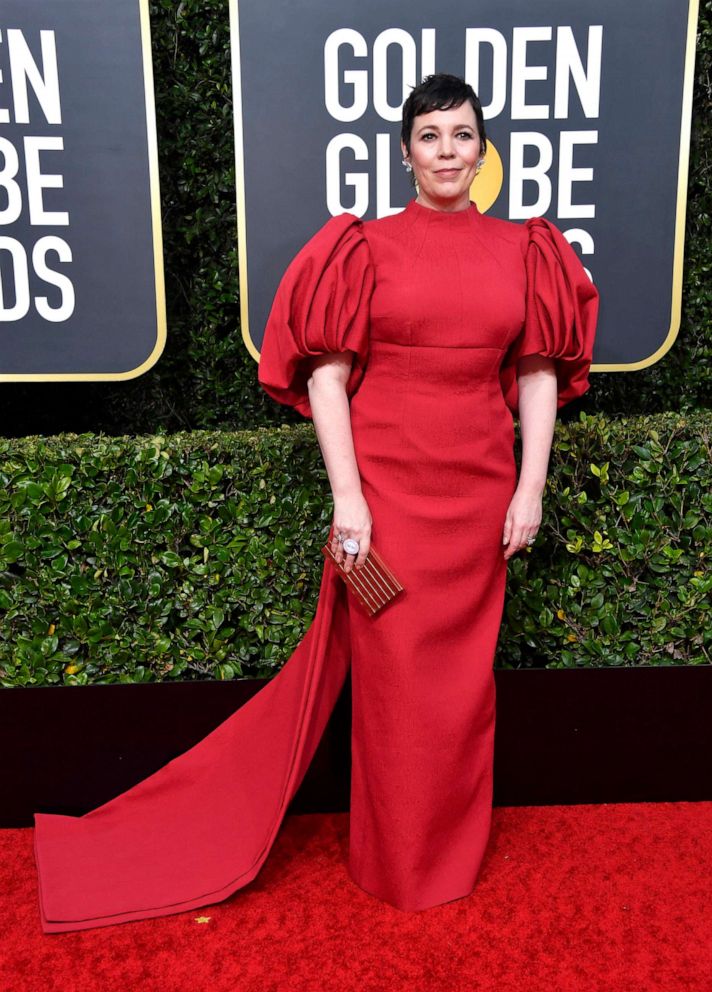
(458, 347)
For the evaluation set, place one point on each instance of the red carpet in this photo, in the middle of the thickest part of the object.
(615, 898)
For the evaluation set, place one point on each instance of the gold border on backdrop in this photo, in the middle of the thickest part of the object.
(240, 176)
(157, 237)
(681, 204)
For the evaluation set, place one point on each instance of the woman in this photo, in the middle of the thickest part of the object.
(410, 339)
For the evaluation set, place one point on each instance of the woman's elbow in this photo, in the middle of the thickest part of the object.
(330, 371)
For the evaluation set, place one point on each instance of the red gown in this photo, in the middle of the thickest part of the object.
(436, 308)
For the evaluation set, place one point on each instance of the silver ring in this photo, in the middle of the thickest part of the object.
(531, 540)
(351, 546)
(340, 538)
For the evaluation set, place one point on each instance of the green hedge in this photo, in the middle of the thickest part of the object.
(206, 379)
(196, 556)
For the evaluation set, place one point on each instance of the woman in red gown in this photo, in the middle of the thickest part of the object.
(411, 340)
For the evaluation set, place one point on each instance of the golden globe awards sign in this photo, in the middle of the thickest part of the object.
(81, 276)
(587, 109)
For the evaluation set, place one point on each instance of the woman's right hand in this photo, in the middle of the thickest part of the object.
(352, 518)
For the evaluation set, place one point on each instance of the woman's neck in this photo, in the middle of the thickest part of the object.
(451, 205)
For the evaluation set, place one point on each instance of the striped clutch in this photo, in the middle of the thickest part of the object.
(374, 584)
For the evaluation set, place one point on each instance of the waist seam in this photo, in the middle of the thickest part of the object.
(449, 347)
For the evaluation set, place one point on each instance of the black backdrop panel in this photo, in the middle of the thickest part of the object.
(81, 294)
(587, 111)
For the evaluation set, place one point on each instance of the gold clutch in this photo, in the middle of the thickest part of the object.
(374, 584)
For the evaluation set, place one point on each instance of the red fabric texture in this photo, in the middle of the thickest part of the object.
(435, 308)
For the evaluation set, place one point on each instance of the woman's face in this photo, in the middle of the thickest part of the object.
(444, 140)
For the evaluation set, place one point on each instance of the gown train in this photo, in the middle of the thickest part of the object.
(201, 826)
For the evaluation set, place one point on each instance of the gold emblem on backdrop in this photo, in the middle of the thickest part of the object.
(487, 184)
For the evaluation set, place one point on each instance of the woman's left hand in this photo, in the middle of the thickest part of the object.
(522, 521)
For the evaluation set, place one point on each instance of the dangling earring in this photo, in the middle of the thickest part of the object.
(408, 166)
(480, 163)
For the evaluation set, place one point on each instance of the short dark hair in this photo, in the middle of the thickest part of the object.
(440, 91)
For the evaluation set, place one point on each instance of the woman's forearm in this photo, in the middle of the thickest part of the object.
(332, 423)
(331, 414)
(537, 418)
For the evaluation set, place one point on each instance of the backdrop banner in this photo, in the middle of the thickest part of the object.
(587, 108)
(81, 262)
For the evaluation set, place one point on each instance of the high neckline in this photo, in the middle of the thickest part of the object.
(451, 217)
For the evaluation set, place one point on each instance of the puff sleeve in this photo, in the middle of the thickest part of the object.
(560, 317)
(322, 305)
